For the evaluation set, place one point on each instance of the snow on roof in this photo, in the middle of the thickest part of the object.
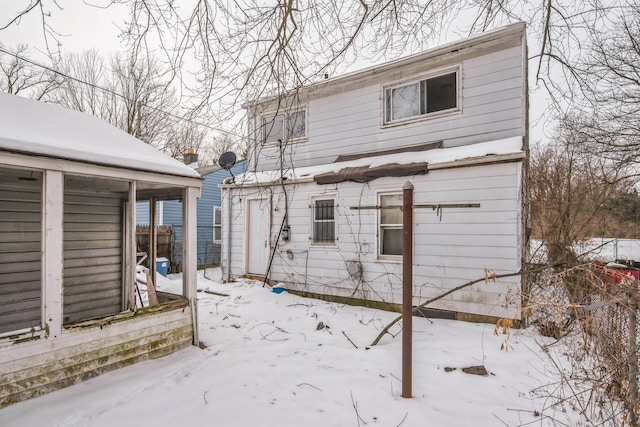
(33, 127)
(505, 146)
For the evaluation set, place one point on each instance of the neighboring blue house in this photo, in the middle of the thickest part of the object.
(169, 213)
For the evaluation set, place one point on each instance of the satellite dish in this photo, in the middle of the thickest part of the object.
(227, 160)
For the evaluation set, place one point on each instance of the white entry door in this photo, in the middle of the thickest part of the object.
(257, 235)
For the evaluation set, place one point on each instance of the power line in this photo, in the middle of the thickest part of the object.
(119, 95)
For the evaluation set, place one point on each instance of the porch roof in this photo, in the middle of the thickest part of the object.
(35, 128)
(483, 152)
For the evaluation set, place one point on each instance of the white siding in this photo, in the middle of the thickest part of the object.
(20, 249)
(448, 250)
(345, 116)
(493, 107)
(93, 246)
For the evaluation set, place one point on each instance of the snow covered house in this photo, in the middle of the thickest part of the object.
(68, 187)
(209, 214)
(318, 209)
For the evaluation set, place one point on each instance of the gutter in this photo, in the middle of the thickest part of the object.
(476, 161)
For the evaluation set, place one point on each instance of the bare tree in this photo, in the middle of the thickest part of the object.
(83, 91)
(575, 193)
(127, 94)
(146, 100)
(181, 137)
(42, 8)
(19, 76)
(210, 152)
(608, 118)
(131, 94)
(224, 52)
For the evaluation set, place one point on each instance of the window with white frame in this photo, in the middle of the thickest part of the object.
(217, 224)
(421, 97)
(284, 127)
(390, 225)
(324, 221)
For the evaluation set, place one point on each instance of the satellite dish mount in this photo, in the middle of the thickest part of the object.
(227, 160)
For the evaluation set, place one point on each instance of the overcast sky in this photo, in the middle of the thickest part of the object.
(81, 27)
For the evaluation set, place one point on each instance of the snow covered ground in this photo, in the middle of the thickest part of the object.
(269, 362)
(605, 249)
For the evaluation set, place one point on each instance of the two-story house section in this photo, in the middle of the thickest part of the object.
(319, 208)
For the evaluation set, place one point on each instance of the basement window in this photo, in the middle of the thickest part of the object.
(421, 98)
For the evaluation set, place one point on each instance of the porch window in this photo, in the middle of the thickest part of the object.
(390, 225)
(93, 247)
(20, 249)
(324, 222)
(284, 127)
(217, 224)
(422, 97)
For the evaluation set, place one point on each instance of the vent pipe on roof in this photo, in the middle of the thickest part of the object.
(191, 158)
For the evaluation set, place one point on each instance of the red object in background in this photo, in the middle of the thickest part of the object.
(623, 275)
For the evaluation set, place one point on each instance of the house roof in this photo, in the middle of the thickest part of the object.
(389, 164)
(205, 170)
(510, 35)
(35, 128)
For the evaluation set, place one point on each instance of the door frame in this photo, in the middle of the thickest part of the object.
(267, 219)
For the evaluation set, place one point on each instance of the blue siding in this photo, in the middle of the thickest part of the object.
(211, 194)
(174, 216)
(172, 212)
(142, 213)
(208, 251)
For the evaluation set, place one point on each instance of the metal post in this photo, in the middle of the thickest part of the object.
(407, 286)
(153, 239)
(632, 399)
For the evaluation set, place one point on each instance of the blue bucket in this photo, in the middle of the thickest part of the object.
(279, 290)
(162, 266)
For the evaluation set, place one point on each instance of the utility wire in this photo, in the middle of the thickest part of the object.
(119, 95)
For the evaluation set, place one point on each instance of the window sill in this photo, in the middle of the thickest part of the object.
(17, 337)
(320, 246)
(291, 141)
(389, 259)
(423, 118)
(171, 302)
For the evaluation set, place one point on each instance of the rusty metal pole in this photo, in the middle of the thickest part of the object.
(407, 286)
(632, 398)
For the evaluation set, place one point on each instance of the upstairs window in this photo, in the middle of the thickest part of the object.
(284, 127)
(390, 223)
(324, 222)
(422, 97)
